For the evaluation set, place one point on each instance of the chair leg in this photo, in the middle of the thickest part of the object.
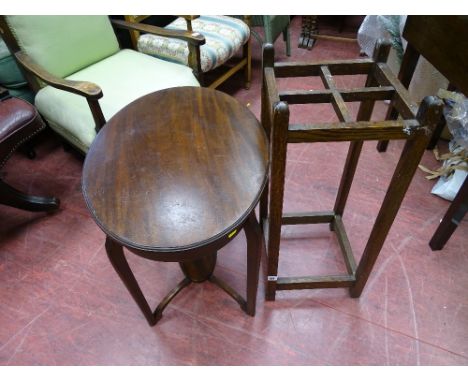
(202, 80)
(257, 36)
(382, 146)
(452, 218)
(287, 40)
(12, 197)
(247, 54)
(28, 149)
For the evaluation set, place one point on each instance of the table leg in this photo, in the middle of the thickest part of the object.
(195, 271)
(119, 262)
(255, 248)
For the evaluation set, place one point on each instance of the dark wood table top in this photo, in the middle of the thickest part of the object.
(176, 169)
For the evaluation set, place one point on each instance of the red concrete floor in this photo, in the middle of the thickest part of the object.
(61, 303)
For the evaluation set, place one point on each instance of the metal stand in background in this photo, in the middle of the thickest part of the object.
(310, 33)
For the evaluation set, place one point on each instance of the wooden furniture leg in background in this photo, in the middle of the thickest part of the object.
(310, 33)
(11, 197)
(309, 27)
(451, 219)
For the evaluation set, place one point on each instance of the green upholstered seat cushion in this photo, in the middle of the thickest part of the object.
(123, 77)
(63, 45)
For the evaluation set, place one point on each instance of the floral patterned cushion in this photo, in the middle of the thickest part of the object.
(224, 36)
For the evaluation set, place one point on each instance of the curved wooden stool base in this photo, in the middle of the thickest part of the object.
(230, 291)
(196, 271)
(185, 283)
(166, 300)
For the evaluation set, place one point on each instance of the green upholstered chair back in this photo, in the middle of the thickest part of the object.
(274, 25)
(11, 77)
(63, 45)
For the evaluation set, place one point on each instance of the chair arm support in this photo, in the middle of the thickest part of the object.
(86, 89)
(89, 90)
(193, 38)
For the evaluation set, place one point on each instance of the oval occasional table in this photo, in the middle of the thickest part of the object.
(175, 176)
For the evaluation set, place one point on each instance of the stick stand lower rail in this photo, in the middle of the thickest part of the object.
(415, 127)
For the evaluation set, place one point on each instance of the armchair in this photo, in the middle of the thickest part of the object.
(224, 37)
(80, 75)
(274, 25)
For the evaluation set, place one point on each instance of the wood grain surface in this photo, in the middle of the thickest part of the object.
(176, 169)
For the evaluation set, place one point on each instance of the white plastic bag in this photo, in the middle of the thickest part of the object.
(448, 187)
(452, 173)
(376, 27)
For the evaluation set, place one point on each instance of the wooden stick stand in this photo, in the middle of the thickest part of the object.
(415, 127)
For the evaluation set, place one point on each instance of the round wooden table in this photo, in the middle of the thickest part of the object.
(175, 176)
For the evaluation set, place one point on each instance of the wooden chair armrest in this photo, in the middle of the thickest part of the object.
(86, 89)
(89, 90)
(192, 38)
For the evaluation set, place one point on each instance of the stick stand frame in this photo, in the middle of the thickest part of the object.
(415, 127)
